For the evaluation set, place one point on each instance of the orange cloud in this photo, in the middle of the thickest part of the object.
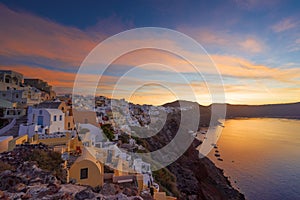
(58, 79)
(227, 65)
(225, 40)
(24, 34)
(252, 45)
(27, 35)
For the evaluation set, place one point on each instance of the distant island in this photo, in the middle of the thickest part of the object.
(287, 110)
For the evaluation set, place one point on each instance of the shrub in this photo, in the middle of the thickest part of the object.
(167, 181)
(108, 131)
(47, 160)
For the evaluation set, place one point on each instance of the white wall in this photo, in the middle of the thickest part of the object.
(48, 119)
(59, 124)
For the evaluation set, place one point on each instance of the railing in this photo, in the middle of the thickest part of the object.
(8, 126)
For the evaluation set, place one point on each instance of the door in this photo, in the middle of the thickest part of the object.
(40, 120)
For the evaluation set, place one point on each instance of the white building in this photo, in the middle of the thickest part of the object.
(43, 121)
(141, 167)
(91, 135)
(24, 96)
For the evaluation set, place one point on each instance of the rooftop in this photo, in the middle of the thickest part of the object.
(3, 138)
(49, 104)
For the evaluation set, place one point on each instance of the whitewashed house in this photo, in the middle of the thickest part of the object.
(43, 121)
(145, 169)
(91, 135)
(141, 167)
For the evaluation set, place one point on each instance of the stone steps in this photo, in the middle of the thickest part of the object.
(15, 129)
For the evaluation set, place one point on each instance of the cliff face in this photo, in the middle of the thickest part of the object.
(195, 178)
(201, 179)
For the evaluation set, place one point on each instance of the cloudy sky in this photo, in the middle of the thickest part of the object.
(255, 46)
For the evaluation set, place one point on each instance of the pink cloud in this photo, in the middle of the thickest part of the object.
(284, 25)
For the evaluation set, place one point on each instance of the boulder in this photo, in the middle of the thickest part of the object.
(109, 189)
(84, 194)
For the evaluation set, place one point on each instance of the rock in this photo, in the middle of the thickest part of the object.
(20, 187)
(146, 196)
(53, 188)
(193, 197)
(6, 173)
(109, 189)
(119, 196)
(9, 181)
(37, 191)
(84, 194)
(2, 195)
(35, 181)
(65, 196)
(50, 179)
(26, 196)
(129, 192)
(136, 198)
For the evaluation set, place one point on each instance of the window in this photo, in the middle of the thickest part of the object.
(84, 173)
(40, 112)
(54, 118)
(60, 117)
(69, 124)
(17, 96)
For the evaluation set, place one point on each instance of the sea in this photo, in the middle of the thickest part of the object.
(261, 157)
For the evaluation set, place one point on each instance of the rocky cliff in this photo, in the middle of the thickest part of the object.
(189, 177)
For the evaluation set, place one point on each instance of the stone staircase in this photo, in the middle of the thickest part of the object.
(15, 129)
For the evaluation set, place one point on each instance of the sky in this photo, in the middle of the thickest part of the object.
(254, 46)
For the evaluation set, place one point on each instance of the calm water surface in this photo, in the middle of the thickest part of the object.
(261, 157)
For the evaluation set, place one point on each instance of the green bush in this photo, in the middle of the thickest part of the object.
(108, 131)
(124, 138)
(167, 181)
